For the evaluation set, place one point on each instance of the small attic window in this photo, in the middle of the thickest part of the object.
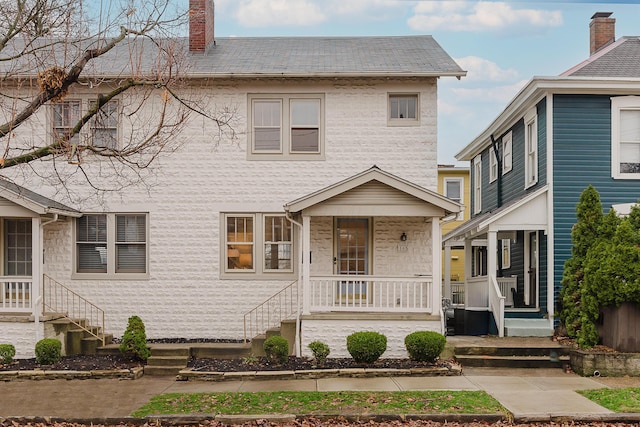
(403, 109)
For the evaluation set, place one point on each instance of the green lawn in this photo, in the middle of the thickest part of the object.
(344, 403)
(615, 399)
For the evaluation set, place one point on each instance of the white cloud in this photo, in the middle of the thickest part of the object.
(499, 94)
(260, 13)
(479, 16)
(480, 69)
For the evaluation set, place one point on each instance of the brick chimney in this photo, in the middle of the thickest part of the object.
(201, 14)
(602, 29)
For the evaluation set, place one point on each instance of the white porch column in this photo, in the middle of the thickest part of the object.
(447, 271)
(306, 265)
(37, 261)
(436, 273)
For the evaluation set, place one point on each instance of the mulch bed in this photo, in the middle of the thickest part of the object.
(79, 362)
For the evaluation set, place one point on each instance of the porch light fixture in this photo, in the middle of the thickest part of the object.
(403, 237)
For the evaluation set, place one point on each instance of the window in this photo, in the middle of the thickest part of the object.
(403, 109)
(66, 115)
(453, 188)
(111, 244)
(477, 184)
(507, 150)
(102, 130)
(625, 137)
(531, 146)
(257, 244)
(493, 165)
(104, 126)
(506, 253)
(287, 126)
(479, 254)
(17, 247)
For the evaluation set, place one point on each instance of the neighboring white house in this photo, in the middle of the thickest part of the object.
(327, 194)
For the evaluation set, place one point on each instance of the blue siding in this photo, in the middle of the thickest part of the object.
(582, 156)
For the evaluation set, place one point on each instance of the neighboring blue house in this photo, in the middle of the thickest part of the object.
(528, 168)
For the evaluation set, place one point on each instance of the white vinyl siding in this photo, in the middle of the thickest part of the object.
(507, 153)
(286, 127)
(112, 245)
(625, 137)
(531, 148)
(477, 184)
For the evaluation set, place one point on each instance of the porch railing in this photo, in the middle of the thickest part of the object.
(279, 307)
(477, 292)
(496, 305)
(506, 284)
(16, 294)
(457, 293)
(371, 293)
(57, 298)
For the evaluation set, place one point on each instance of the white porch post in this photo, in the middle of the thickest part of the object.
(37, 261)
(447, 271)
(436, 273)
(306, 265)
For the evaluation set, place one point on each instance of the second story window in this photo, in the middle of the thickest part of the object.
(66, 115)
(477, 184)
(403, 109)
(101, 130)
(531, 147)
(286, 127)
(493, 165)
(104, 126)
(453, 188)
(625, 137)
(507, 153)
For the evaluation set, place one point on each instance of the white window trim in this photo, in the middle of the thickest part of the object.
(258, 272)
(405, 121)
(460, 215)
(619, 103)
(530, 119)
(477, 184)
(85, 136)
(506, 246)
(111, 251)
(507, 141)
(285, 152)
(493, 165)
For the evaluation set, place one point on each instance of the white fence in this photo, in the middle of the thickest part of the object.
(372, 293)
(16, 294)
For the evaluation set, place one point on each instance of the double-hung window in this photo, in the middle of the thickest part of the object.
(112, 244)
(507, 153)
(477, 184)
(625, 137)
(506, 253)
(531, 147)
(403, 109)
(453, 188)
(257, 244)
(493, 165)
(66, 115)
(286, 126)
(101, 131)
(104, 126)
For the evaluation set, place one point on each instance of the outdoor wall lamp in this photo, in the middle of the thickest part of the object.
(403, 237)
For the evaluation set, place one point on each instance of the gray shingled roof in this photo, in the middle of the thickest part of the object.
(13, 192)
(619, 59)
(278, 56)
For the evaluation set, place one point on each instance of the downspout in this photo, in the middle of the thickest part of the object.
(298, 343)
(39, 300)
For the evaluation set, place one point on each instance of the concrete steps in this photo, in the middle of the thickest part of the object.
(513, 356)
(76, 340)
(527, 328)
(167, 359)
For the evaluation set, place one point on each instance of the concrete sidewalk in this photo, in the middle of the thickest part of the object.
(529, 394)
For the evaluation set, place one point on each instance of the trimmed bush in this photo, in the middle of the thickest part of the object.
(424, 346)
(134, 340)
(366, 347)
(320, 351)
(276, 348)
(48, 351)
(7, 353)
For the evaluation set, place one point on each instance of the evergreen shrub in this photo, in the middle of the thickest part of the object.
(276, 348)
(134, 340)
(320, 351)
(365, 346)
(48, 351)
(424, 346)
(7, 353)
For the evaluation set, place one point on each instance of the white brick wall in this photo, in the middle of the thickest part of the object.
(185, 295)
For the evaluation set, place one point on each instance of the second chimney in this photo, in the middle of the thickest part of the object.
(602, 29)
(201, 14)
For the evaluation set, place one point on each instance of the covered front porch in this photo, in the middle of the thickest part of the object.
(506, 289)
(370, 256)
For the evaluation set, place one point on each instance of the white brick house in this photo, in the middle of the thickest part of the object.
(333, 174)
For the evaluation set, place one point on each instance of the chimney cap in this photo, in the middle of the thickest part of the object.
(601, 15)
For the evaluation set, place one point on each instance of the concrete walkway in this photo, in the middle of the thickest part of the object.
(529, 394)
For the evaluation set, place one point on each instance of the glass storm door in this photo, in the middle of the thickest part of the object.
(352, 256)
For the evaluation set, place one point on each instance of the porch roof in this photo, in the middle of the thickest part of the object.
(374, 191)
(526, 213)
(33, 201)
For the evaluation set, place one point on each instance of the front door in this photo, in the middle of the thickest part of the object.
(352, 256)
(532, 270)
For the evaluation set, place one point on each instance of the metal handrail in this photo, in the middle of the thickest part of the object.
(281, 306)
(59, 299)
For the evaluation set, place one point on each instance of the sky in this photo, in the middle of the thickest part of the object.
(501, 45)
